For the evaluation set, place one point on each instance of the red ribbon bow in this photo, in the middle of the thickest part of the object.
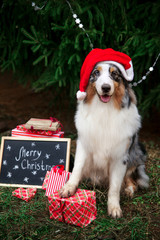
(55, 120)
(59, 168)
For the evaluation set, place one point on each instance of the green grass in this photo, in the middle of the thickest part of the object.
(20, 220)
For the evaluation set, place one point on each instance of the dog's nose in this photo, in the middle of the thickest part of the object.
(106, 88)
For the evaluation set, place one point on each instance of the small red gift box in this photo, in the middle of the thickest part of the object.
(24, 194)
(79, 209)
(57, 178)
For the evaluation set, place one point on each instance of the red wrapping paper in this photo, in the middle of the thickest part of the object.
(79, 209)
(21, 131)
(24, 194)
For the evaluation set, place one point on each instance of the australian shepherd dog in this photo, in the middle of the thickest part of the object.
(108, 149)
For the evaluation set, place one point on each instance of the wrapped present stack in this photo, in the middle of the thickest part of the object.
(79, 209)
(39, 128)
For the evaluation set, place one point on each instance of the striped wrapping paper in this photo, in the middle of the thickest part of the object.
(19, 133)
(56, 181)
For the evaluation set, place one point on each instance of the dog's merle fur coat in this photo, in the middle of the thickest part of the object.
(108, 149)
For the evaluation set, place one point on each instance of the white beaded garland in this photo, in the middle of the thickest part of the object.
(144, 77)
(151, 69)
(36, 8)
(81, 25)
(134, 84)
(77, 20)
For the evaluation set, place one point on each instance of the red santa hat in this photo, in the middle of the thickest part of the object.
(119, 59)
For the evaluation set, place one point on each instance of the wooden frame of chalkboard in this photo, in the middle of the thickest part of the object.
(24, 161)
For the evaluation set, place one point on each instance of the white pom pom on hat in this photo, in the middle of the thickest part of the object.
(108, 55)
(81, 95)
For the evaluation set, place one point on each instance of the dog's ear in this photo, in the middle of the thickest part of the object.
(91, 91)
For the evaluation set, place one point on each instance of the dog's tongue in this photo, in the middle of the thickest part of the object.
(105, 98)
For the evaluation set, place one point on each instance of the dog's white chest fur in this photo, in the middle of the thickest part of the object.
(104, 131)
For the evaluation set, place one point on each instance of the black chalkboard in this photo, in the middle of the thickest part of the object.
(25, 161)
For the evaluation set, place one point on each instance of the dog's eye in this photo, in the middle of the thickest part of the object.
(114, 73)
(96, 72)
(116, 76)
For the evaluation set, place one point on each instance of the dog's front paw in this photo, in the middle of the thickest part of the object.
(114, 211)
(67, 190)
